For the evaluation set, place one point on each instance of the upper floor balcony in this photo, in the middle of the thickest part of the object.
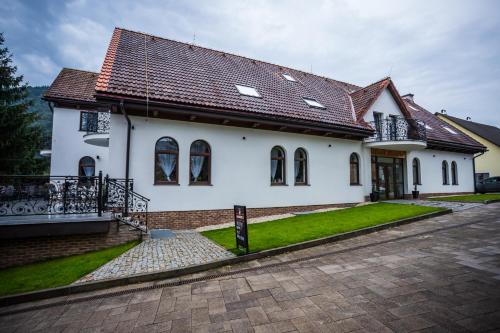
(97, 125)
(398, 133)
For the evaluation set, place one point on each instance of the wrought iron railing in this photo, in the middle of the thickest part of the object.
(398, 129)
(115, 200)
(30, 195)
(99, 124)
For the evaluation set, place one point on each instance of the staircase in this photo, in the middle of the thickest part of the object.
(114, 198)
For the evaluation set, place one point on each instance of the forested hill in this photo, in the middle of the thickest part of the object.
(41, 107)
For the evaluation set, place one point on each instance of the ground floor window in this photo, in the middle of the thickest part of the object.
(300, 165)
(86, 167)
(166, 161)
(444, 172)
(199, 158)
(416, 171)
(454, 173)
(278, 176)
(354, 169)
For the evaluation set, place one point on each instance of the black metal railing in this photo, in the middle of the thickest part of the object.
(115, 199)
(99, 123)
(398, 129)
(30, 195)
(37, 195)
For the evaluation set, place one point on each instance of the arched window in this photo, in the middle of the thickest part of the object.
(416, 172)
(278, 175)
(354, 169)
(444, 170)
(199, 163)
(86, 167)
(300, 165)
(166, 161)
(454, 173)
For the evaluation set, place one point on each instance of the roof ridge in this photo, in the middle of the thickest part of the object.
(372, 84)
(237, 55)
(80, 70)
(475, 122)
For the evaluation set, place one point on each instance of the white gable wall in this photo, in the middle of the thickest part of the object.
(68, 146)
(384, 104)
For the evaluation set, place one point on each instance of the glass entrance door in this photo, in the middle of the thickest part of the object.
(388, 177)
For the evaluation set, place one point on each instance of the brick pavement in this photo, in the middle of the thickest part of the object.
(435, 275)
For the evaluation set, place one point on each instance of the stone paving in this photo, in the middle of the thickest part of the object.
(437, 275)
(186, 248)
(455, 206)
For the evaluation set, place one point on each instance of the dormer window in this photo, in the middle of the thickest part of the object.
(313, 103)
(450, 130)
(247, 91)
(289, 77)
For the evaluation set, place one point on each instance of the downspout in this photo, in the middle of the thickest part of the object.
(474, 169)
(127, 158)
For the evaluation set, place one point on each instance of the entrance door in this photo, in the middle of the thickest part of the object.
(389, 177)
(385, 181)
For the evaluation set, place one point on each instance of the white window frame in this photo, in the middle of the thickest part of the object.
(289, 77)
(247, 91)
(313, 103)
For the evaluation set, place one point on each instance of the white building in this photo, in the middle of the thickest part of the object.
(209, 130)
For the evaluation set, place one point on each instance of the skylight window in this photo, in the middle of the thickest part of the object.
(289, 77)
(313, 103)
(428, 127)
(450, 130)
(247, 91)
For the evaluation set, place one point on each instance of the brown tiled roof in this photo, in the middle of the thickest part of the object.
(488, 132)
(192, 75)
(73, 85)
(437, 131)
(363, 98)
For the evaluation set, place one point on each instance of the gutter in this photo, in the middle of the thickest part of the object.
(127, 157)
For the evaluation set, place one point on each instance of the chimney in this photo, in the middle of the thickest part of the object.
(468, 118)
(443, 111)
(408, 97)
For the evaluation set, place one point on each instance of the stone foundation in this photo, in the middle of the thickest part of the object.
(199, 218)
(22, 251)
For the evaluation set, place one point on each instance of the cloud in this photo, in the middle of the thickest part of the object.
(41, 66)
(447, 53)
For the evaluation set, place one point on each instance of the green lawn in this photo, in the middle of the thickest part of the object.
(469, 197)
(268, 235)
(56, 272)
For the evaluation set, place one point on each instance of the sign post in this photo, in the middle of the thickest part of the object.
(240, 225)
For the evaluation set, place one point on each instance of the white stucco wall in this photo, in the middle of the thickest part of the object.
(431, 176)
(240, 168)
(68, 146)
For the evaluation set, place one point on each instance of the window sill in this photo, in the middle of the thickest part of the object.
(300, 184)
(200, 184)
(279, 184)
(356, 184)
(168, 184)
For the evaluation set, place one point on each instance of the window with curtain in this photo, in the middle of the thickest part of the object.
(416, 172)
(88, 121)
(354, 169)
(454, 173)
(300, 166)
(199, 168)
(278, 176)
(86, 167)
(444, 170)
(166, 161)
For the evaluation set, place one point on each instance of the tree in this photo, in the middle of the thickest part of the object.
(20, 136)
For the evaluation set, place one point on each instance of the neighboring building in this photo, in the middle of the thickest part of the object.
(210, 129)
(488, 164)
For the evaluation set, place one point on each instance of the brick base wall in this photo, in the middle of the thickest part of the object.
(16, 252)
(199, 218)
(427, 195)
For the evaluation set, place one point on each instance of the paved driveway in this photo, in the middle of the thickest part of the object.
(438, 275)
(453, 205)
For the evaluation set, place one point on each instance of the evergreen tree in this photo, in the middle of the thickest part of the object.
(20, 136)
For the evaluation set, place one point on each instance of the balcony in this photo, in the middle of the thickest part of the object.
(97, 126)
(398, 133)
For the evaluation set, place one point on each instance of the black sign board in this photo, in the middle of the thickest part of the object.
(240, 225)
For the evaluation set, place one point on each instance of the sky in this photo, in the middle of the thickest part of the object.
(447, 53)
